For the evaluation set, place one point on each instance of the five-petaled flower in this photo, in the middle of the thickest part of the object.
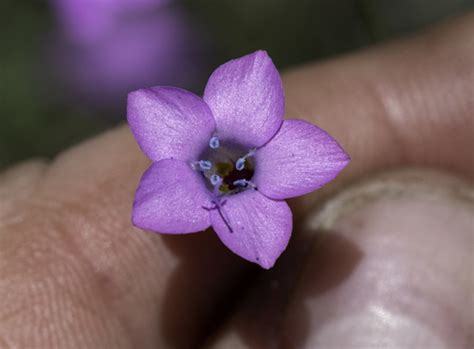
(228, 159)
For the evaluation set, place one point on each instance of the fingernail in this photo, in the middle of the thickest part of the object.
(387, 263)
(412, 285)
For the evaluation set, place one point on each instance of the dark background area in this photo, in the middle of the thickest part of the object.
(39, 117)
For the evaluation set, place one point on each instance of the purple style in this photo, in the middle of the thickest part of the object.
(228, 160)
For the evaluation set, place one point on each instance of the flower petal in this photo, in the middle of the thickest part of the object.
(172, 199)
(253, 226)
(299, 159)
(169, 122)
(246, 99)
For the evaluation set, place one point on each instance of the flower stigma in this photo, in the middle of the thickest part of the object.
(215, 180)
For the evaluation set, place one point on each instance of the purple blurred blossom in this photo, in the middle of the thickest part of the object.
(228, 159)
(90, 20)
(110, 47)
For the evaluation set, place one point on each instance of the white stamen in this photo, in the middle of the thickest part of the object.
(205, 165)
(240, 163)
(214, 142)
(244, 183)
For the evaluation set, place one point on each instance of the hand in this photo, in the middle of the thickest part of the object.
(395, 271)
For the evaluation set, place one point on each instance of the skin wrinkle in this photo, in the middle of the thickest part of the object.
(401, 61)
(41, 204)
(68, 257)
(114, 293)
(395, 97)
(18, 186)
(3, 343)
(383, 98)
(340, 73)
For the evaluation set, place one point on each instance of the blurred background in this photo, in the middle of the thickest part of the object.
(67, 65)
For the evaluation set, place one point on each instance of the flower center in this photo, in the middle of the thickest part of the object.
(227, 168)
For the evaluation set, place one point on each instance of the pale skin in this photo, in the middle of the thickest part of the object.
(76, 274)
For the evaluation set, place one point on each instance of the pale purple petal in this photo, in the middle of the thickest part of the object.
(299, 159)
(253, 226)
(172, 199)
(169, 122)
(246, 99)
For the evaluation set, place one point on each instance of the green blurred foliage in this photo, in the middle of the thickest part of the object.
(302, 30)
(34, 123)
(36, 120)
(292, 31)
(388, 18)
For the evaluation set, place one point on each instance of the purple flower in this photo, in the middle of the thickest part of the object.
(107, 48)
(91, 20)
(228, 159)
